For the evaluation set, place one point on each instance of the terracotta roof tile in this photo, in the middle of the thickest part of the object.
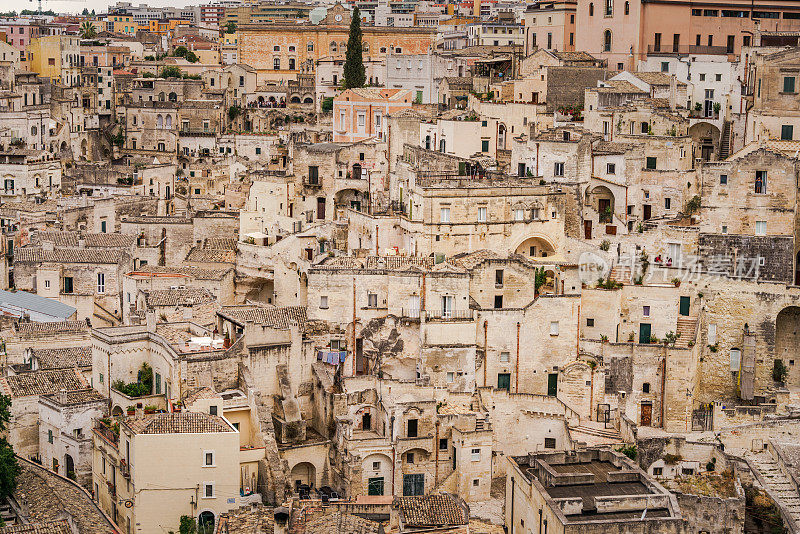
(202, 255)
(75, 397)
(61, 358)
(189, 270)
(57, 327)
(67, 255)
(267, 316)
(178, 297)
(42, 382)
(340, 522)
(60, 526)
(432, 510)
(178, 423)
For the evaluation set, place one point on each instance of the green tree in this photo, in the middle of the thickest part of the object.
(354, 72)
(9, 468)
(85, 11)
(234, 112)
(191, 57)
(181, 51)
(88, 30)
(230, 27)
(171, 72)
(188, 525)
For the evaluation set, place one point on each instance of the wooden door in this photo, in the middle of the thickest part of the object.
(504, 381)
(644, 332)
(587, 229)
(552, 384)
(648, 212)
(684, 306)
(647, 414)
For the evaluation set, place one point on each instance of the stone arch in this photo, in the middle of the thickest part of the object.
(607, 41)
(116, 411)
(295, 99)
(366, 418)
(706, 138)
(501, 136)
(303, 474)
(535, 246)
(415, 455)
(787, 332)
(308, 99)
(601, 199)
(159, 121)
(161, 96)
(173, 96)
(206, 522)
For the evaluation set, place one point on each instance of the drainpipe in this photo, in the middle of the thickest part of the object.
(422, 296)
(436, 448)
(354, 329)
(377, 236)
(663, 384)
(511, 525)
(485, 348)
(516, 364)
(578, 335)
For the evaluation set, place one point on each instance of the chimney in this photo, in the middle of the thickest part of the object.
(81, 242)
(62, 397)
(150, 315)
(673, 91)
(47, 245)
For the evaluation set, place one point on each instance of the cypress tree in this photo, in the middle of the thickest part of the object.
(354, 72)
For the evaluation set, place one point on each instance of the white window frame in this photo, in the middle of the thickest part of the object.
(323, 302)
(475, 455)
(101, 282)
(519, 215)
(213, 495)
(553, 328)
(482, 214)
(761, 228)
(213, 459)
(444, 215)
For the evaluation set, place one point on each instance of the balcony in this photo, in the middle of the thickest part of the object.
(312, 183)
(684, 50)
(197, 132)
(124, 469)
(449, 315)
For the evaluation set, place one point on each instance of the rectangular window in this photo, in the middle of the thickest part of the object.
(712, 334)
(445, 215)
(208, 490)
(450, 377)
(208, 459)
(481, 214)
(761, 227)
(787, 132)
(372, 300)
(498, 302)
(723, 179)
(101, 282)
(658, 471)
(589, 321)
(667, 203)
(611, 168)
(549, 443)
(651, 162)
(258, 150)
(761, 183)
(553, 328)
(212, 410)
(412, 428)
(646, 311)
(505, 357)
(49, 436)
(323, 302)
(558, 169)
(788, 84)
(484, 145)
(519, 215)
(498, 278)
(476, 455)
(442, 444)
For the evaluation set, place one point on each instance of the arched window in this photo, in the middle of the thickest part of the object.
(168, 122)
(609, 8)
(173, 97)
(627, 8)
(441, 145)
(364, 48)
(427, 142)
(591, 9)
(310, 46)
(607, 41)
(161, 96)
(159, 121)
(334, 48)
(33, 130)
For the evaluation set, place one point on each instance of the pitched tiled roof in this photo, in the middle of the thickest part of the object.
(469, 260)
(202, 255)
(158, 220)
(432, 510)
(46, 496)
(177, 297)
(178, 423)
(58, 327)
(340, 522)
(224, 243)
(390, 263)
(248, 520)
(618, 86)
(73, 398)
(188, 270)
(42, 382)
(573, 56)
(66, 255)
(91, 240)
(62, 358)
(267, 316)
(656, 78)
(60, 526)
(202, 393)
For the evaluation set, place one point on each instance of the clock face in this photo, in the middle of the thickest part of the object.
(338, 18)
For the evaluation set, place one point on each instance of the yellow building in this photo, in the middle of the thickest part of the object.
(161, 26)
(121, 24)
(281, 51)
(149, 470)
(56, 57)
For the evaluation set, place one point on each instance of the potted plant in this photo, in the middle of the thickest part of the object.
(676, 281)
(131, 410)
(149, 409)
(603, 338)
(717, 108)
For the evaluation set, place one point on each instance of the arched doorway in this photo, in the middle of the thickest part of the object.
(69, 463)
(797, 269)
(303, 474)
(206, 522)
(501, 136)
(535, 247)
(787, 328)
(602, 199)
(357, 171)
(116, 411)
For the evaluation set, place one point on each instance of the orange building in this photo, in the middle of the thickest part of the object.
(279, 51)
(361, 113)
(625, 31)
(161, 26)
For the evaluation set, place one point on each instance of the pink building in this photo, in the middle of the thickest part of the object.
(19, 34)
(361, 113)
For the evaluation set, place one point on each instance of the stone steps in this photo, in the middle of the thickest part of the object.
(599, 432)
(621, 274)
(686, 327)
(778, 483)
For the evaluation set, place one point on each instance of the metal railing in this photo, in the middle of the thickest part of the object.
(449, 315)
(688, 49)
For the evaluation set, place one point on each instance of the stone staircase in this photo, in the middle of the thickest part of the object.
(593, 433)
(686, 328)
(7, 515)
(621, 274)
(779, 484)
(725, 143)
